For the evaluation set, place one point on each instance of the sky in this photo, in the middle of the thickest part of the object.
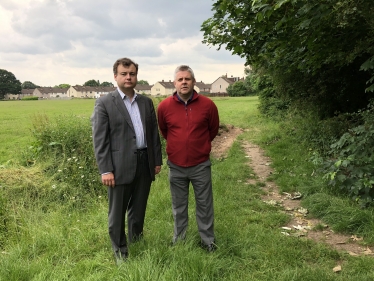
(52, 42)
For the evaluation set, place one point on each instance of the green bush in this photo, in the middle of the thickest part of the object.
(306, 127)
(352, 160)
(30, 98)
(64, 146)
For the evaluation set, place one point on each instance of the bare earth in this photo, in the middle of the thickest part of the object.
(300, 224)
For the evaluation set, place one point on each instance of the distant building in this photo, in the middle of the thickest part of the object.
(201, 87)
(24, 93)
(78, 91)
(221, 84)
(143, 89)
(163, 88)
(50, 92)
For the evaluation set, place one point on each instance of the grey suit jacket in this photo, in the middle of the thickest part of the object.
(114, 137)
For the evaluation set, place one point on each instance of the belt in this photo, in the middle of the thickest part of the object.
(141, 150)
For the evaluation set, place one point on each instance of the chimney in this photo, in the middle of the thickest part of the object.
(162, 80)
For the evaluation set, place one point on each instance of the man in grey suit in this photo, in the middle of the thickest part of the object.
(128, 154)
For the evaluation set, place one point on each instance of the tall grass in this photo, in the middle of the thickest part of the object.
(50, 235)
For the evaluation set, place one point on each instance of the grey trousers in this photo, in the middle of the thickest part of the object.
(131, 199)
(201, 180)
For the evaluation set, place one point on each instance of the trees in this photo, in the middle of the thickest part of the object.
(143, 82)
(316, 56)
(106, 84)
(318, 53)
(8, 83)
(237, 89)
(63, 86)
(92, 83)
(28, 85)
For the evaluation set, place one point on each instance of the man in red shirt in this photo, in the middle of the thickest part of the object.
(189, 122)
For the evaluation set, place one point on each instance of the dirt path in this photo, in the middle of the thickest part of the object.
(300, 224)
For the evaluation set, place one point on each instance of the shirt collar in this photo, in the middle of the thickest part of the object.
(190, 99)
(123, 96)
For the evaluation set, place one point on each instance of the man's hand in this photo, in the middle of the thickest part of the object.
(157, 169)
(108, 179)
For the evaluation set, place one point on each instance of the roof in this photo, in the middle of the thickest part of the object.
(79, 88)
(202, 85)
(167, 85)
(52, 90)
(230, 80)
(27, 91)
(141, 87)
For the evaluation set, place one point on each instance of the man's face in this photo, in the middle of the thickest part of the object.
(184, 83)
(126, 77)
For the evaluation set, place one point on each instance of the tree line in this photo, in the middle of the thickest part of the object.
(312, 63)
(9, 84)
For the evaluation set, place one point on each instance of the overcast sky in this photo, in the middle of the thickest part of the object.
(52, 42)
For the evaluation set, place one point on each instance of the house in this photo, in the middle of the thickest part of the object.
(143, 89)
(49, 92)
(27, 93)
(163, 88)
(59, 93)
(102, 91)
(88, 91)
(24, 93)
(201, 87)
(221, 84)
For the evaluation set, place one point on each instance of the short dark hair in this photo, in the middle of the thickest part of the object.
(184, 68)
(125, 62)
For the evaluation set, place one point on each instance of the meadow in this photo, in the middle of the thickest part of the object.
(53, 229)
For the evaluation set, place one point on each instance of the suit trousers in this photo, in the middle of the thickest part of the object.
(200, 178)
(131, 199)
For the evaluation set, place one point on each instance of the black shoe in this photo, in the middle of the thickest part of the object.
(120, 257)
(209, 248)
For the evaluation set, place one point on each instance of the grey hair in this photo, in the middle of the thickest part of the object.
(184, 68)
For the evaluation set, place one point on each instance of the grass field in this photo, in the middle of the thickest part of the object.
(16, 116)
(51, 234)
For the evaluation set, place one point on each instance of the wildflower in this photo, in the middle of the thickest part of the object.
(80, 167)
(54, 186)
(74, 157)
(59, 171)
(82, 176)
(69, 159)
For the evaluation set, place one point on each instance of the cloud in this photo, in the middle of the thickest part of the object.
(51, 42)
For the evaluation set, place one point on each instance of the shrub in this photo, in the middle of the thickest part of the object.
(64, 146)
(352, 159)
(30, 98)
